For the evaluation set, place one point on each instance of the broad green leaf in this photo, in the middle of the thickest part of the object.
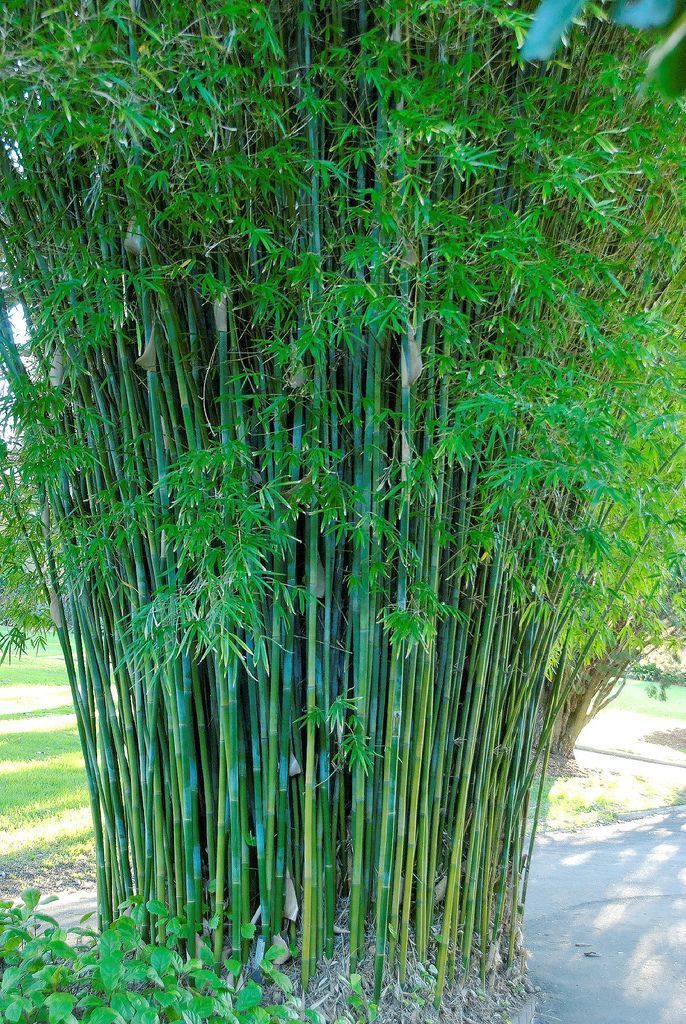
(31, 898)
(59, 1006)
(110, 971)
(14, 1011)
(157, 908)
(249, 997)
(161, 958)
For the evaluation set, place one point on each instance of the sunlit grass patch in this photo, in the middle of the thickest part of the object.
(41, 667)
(59, 712)
(47, 781)
(576, 802)
(54, 854)
(50, 837)
(46, 837)
(18, 701)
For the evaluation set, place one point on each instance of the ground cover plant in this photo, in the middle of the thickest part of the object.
(47, 974)
(350, 351)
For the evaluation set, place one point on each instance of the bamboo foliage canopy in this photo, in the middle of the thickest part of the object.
(344, 331)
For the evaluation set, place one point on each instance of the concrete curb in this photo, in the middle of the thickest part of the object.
(652, 813)
(630, 757)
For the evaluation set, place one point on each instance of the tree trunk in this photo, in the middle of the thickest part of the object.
(592, 691)
(572, 720)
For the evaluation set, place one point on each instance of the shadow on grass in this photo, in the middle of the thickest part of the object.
(20, 716)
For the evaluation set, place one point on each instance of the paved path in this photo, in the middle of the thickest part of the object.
(70, 907)
(618, 891)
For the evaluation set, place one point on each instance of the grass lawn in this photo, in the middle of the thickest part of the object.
(45, 832)
(634, 697)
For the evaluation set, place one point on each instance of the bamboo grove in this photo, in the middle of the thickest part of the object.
(343, 333)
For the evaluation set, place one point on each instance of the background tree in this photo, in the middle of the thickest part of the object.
(345, 335)
(634, 602)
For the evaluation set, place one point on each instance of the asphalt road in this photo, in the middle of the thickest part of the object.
(606, 923)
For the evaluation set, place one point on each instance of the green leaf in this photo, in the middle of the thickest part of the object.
(249, 997)
(280, 979)
(157, 908)
(14, 1011)
(110, 971)
(203, 1006)
(233, 966)
(31, 898)
(147, 1017)
(61, 949)
(160, 958)
(103, 1015)
(206, 954)
(248, 931)
(59, 1006)
(356, 984)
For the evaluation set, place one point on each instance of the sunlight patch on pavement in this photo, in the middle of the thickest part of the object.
(577, 858)
(609, 916)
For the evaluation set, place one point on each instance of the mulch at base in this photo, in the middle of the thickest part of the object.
(560, 767)
(329, 992)
(675, 739)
